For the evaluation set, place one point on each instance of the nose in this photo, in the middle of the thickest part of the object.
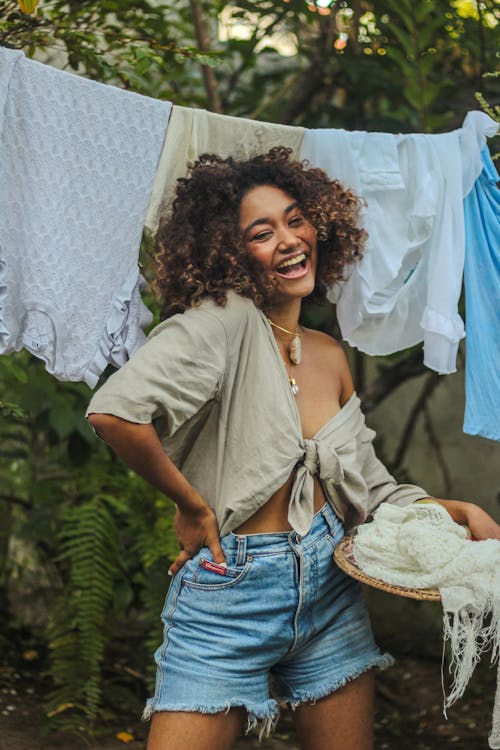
(287, 239)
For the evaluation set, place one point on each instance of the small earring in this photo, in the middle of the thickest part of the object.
(322, 233)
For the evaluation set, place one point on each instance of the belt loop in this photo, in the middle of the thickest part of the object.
(241, 551)
(333, 521)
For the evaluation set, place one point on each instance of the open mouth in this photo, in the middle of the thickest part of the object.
(293, 267)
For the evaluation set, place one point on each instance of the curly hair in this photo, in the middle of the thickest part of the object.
(199, 248)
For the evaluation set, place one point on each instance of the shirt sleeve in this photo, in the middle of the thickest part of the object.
(382, 486)
(178, 370)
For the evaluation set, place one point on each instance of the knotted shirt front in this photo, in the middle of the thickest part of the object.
(214, 384)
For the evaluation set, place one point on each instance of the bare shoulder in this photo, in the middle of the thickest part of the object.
(323, 344)
(326, 352)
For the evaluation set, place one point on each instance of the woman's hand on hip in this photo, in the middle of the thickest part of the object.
(139, 446)
(196, 529)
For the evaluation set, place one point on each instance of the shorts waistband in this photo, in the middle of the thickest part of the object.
(279, 541)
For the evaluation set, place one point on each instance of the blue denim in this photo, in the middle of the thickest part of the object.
(282, 616)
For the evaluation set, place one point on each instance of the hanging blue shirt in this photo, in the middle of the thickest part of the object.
(482, 296)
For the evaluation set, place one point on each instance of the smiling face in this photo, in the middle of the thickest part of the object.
(276, 232)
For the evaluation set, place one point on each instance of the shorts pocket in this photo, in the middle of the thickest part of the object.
(208, 575)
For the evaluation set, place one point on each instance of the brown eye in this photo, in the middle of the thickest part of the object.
(262, 236)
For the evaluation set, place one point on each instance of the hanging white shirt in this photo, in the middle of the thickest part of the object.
(406, 287)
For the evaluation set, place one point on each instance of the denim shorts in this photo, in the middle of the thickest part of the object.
(282, 624)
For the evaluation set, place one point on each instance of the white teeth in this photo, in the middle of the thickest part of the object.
(292, 261)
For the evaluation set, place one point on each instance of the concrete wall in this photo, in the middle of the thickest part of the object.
(473, 462)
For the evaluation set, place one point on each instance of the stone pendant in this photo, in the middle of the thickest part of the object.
(295, 351)
(294, 386)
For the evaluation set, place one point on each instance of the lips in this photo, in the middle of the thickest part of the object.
(294, 266)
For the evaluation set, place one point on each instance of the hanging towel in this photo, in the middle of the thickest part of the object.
(406, 288)
(77, 164)
(482, 299)
(420, 546)
(192, 132)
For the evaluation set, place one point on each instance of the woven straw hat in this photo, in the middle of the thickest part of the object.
(344, 558)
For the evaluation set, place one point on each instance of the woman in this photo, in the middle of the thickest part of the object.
(259, 440)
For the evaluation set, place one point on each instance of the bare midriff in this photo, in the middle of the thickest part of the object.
(321, 395)
(273, 515)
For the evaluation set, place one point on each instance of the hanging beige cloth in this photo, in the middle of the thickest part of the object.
(192, 132)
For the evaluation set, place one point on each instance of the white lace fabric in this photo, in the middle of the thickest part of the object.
(420, 546)
(77, 164)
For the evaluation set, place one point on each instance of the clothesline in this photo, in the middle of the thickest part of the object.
(84, 166)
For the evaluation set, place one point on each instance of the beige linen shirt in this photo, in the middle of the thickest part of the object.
(214, 384)
(192, 132)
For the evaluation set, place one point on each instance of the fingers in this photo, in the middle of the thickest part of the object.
(194, 534)
(216, 550)
(182, 558)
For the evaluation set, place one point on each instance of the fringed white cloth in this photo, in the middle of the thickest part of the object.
(420, 546)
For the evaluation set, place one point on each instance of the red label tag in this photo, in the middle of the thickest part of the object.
(214, 567)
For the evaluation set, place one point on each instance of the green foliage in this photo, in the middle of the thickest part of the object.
(90, 549)
(145, 46)
(102, 535)
(99, 534)
(492, 110)
(418, 30)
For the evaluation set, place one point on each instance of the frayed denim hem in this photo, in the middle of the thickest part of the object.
(381, 662)
(261, 716)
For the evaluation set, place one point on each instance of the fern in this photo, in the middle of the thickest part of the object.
(156, 547)
(79, 628)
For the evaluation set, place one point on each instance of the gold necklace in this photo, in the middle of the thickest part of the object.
(294, 352)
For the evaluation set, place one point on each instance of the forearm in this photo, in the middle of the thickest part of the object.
(481, 525)
(139, 447)
(458, 509)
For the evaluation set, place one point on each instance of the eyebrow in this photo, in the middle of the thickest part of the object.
(266, 220)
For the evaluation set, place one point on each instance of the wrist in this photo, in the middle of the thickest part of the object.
(193, 504)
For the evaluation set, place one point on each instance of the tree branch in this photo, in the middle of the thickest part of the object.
(390, 377)
(430, 384)
(482, 46)
(353, 32)
(312, 79)
(253, 42)
(359, 371)
(271, 98)
(203, 42)
(15, 500)
(433, 439)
